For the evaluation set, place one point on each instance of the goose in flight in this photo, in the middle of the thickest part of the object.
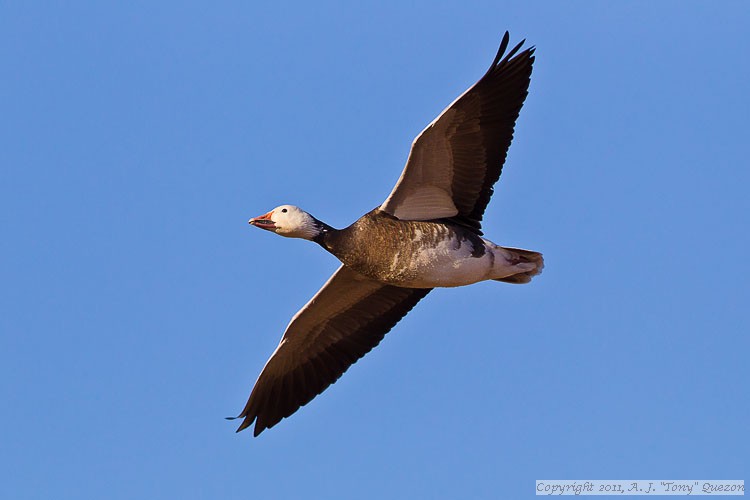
(426, 234)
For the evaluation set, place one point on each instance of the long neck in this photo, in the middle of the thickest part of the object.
(325, 235)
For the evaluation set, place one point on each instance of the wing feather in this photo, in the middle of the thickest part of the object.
(343, 322)
(455, 161)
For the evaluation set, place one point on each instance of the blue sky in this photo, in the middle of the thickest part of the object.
(138, 307)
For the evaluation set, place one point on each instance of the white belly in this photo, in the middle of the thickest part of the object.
(446, 265)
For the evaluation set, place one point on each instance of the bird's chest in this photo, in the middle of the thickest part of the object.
(419, 256)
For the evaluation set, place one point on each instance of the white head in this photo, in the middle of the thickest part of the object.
(289, 221)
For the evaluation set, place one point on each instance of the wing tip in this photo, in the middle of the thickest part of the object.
(502, 58)
(247, 422)
(500, 51)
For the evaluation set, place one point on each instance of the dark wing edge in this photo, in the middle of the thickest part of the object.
(503, 90)
(315, 351)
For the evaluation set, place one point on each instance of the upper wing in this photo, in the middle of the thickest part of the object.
(455, 161)
(341, 323)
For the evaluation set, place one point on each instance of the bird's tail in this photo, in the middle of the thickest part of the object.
(529, 263)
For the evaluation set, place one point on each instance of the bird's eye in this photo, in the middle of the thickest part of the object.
(283, 210)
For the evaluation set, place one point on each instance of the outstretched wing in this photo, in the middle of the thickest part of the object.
(456, 160)
(341, 323)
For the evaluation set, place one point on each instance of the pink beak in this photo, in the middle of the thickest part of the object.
(264, 221)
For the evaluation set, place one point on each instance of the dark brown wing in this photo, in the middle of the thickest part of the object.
(343, 322)
(456, 160)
